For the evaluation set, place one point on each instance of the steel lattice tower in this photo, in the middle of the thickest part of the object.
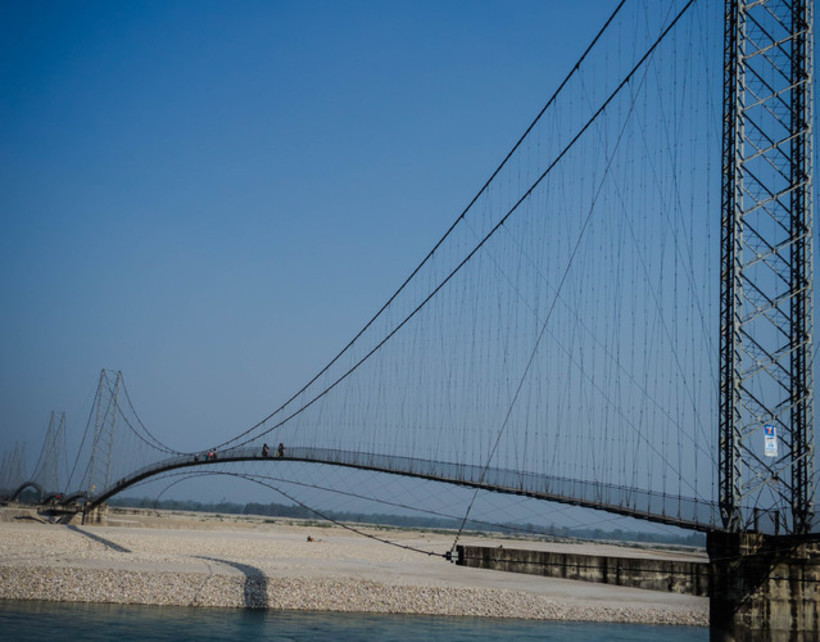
(47, 469)
(766, 315)
(105, 424)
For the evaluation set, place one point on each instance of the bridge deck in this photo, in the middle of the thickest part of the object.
(651, 506)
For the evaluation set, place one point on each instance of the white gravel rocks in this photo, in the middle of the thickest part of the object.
(259, 565)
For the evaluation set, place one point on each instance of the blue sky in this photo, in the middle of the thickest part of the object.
(212, 197)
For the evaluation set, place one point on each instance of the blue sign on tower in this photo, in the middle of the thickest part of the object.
(770, 441)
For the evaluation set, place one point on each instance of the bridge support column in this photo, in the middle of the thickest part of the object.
(98, 515)
(764, 588)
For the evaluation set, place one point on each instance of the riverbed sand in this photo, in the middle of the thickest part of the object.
(163, 558)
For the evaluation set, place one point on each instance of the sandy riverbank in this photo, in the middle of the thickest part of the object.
(197, 560)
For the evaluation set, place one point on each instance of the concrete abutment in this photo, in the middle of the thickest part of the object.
(761, 588)
(97, 515)
(764, 588)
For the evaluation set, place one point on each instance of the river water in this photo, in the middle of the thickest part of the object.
(29, 621)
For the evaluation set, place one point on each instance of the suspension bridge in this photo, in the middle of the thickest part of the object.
(619, 319)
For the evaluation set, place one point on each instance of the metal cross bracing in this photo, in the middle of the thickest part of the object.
(47, 470)
(105, 424)
(766, 388)
(12, 470)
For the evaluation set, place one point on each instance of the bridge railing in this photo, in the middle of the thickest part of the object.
(636, 502)
(652, 505)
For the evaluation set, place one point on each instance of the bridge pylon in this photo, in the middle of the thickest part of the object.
(47, 470)
(12, 470)
(105, 425)
(765, 585)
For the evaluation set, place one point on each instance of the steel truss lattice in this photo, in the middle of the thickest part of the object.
(766, 315)
(105, 425)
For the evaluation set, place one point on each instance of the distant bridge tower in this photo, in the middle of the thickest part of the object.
(47, 469)
(105, 424)
(12, 470)
(766, 424)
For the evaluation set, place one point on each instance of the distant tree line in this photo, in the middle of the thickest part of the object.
(295, 511)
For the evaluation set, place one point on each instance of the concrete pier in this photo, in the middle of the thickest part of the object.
(679, 576)
(764, 588)
(761, 588)
(97, 515)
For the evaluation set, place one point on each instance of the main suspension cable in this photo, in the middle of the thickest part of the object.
(429, 255)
